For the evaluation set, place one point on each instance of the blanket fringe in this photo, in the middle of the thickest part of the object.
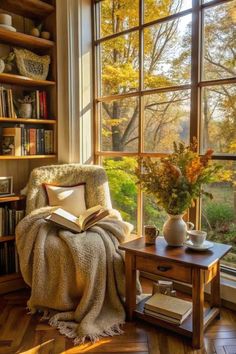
(68, 329)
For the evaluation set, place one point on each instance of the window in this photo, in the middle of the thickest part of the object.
(164, 71)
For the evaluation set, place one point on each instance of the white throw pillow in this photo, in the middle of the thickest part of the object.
(70, 198)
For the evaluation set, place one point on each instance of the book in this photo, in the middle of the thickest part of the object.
(168, 306)
(69, 221)
(168, 318)
(11, 141)
(32, 141)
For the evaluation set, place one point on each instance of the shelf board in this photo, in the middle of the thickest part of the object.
(28, 157)
(8, 277)
(22, 80)
(6, 238)
(186, 328)
(28, 120)
(24, 40)
(27, 8)
(12, 198)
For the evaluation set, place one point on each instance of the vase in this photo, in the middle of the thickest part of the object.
(25, 110)
(175, 230)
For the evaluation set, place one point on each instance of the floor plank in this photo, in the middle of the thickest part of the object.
(25, 334)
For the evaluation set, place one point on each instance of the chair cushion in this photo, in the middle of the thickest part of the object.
(70, 198)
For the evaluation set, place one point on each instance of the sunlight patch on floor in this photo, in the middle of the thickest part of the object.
(83, 348)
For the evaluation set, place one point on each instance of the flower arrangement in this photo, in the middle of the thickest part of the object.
(176, 181)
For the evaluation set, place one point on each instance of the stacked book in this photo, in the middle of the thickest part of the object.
(168, 308)
(8, 258)
(9, 218)
(23, 141)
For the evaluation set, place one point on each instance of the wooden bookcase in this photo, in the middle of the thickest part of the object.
(11, 281)
(26, 14)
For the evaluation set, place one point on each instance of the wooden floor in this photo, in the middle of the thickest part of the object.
(23, 333)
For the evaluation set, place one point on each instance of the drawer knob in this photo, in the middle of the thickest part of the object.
(163, 269)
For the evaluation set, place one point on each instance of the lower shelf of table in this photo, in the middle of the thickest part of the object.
(186, 328)
(11, 282)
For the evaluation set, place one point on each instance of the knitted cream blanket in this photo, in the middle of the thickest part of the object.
(77, 279)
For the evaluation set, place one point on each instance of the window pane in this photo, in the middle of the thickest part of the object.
(152, 215)
(219, 119)
(155, 9)
(219, 214)
(167, 53)
(167, 118)
(119, 120)
(219, 60)
(119, 60)
(123, 188)
(116, 16)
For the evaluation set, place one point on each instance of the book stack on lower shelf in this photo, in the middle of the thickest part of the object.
(9, 218)
(9, 263)
(168, 308)
(12, 210)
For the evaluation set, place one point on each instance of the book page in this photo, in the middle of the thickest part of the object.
(95, 218)
(88, 215)
(64, 219)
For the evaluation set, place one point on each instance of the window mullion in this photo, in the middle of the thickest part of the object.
(195, 92)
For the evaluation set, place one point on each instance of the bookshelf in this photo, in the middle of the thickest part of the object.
(13, 279)
(26, 14)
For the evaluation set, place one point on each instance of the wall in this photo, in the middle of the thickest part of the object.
(74, 46)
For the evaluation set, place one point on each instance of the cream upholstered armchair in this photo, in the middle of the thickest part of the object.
(78, 281)
(96, 190)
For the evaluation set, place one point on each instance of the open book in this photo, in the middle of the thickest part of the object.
(69, 221)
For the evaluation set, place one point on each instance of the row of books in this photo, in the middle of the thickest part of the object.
(23, 141)
(40, 108)
(9, 218)
(9, 106)
(168, 308)
(8, 258)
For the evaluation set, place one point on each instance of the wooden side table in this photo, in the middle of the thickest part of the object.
(181, 264)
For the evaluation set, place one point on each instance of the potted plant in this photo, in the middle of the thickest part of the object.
(176, 182)
(25, 109)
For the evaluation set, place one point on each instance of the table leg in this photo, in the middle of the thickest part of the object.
(130, 281)
(198, 307)
(215, 290)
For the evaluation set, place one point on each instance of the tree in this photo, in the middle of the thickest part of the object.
(219, 102)
(120, 74)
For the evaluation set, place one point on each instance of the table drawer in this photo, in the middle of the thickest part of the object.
(164, 268)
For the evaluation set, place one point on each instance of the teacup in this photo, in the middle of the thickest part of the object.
(197, 237)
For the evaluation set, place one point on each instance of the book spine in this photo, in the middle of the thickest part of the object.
(46, 142)
(1, 107)
(1, 223)
(42, 143)
(22, 142)
(38, 141)
(45, 105)
(41, 105)
(32, 139)
(4, 103)
(6, 220)
(8, 103)
(37, 105)
(33, 97)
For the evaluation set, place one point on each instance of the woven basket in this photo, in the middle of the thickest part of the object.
(32, 65)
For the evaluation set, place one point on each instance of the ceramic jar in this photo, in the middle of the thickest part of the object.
(175, 230)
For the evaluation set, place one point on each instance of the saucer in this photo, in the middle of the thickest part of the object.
(204, 247)
(9, 28)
